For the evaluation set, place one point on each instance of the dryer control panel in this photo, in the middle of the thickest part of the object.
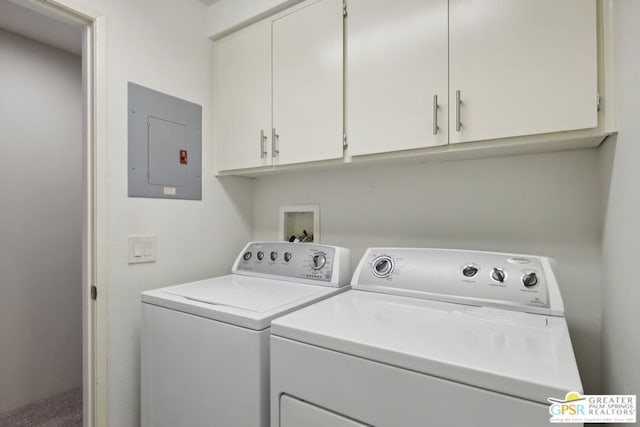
(301, 262)
(519, 282)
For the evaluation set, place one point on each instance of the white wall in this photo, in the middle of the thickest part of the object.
(621, 241)
(547, 204)
(160, 44)
(40, 221)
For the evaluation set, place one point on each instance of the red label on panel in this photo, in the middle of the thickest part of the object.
(183, 157)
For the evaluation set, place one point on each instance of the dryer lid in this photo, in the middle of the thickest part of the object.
(518, 354)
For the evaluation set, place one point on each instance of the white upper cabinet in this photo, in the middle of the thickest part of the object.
(397, 75)
(242, 97)
(408, 78)
(521, 67)
(307, 83)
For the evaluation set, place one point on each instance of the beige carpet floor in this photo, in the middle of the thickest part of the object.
(61, 410)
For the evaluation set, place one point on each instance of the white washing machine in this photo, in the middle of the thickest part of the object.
(427, 337)
(205, 345)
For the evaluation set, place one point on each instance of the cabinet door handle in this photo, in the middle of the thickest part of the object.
(275, 142)
(263, 142)
(458, 102)
(435, 114)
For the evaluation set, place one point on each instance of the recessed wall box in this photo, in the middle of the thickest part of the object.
(300, 223)
(165, 145)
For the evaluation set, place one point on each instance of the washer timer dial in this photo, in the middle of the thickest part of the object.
(318, 261)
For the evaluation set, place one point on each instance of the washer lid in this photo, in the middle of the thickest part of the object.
(241, 300)
(245, 293)
(515, 353)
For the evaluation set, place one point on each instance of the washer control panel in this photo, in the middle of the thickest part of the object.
(520, 282)
(303, 261)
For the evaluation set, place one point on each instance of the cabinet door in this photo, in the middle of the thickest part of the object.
(242, 97)
(307, 83)
(396, 65)
(521, 67)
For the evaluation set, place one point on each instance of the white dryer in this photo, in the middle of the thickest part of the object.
(427, 337)
(205, 345)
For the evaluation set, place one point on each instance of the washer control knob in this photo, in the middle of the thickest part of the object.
(287, 256)
(530, 279)
(469, 270)
(382, 266)
(498, 275)
(246, 256)
(318, 261)
(260, 255)
(274, 255)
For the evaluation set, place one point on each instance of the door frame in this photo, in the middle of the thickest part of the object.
(94, 235)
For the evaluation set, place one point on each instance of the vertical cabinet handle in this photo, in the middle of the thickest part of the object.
(263, 146)
(458, 102)
(435, 114)
(275, 142)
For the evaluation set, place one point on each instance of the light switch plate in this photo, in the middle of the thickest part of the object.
(142, 249)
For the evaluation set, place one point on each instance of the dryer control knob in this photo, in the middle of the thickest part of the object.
(499, 275)
(469, 270)
(287, 256)
(274, 255)
(318, 261)
(382, 266)
(260, 255)
(530, 280)
(246, 256)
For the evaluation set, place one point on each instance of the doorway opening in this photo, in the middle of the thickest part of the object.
(53, 357)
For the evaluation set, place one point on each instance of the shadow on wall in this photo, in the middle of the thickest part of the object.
(234, 189)
(607, 152)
